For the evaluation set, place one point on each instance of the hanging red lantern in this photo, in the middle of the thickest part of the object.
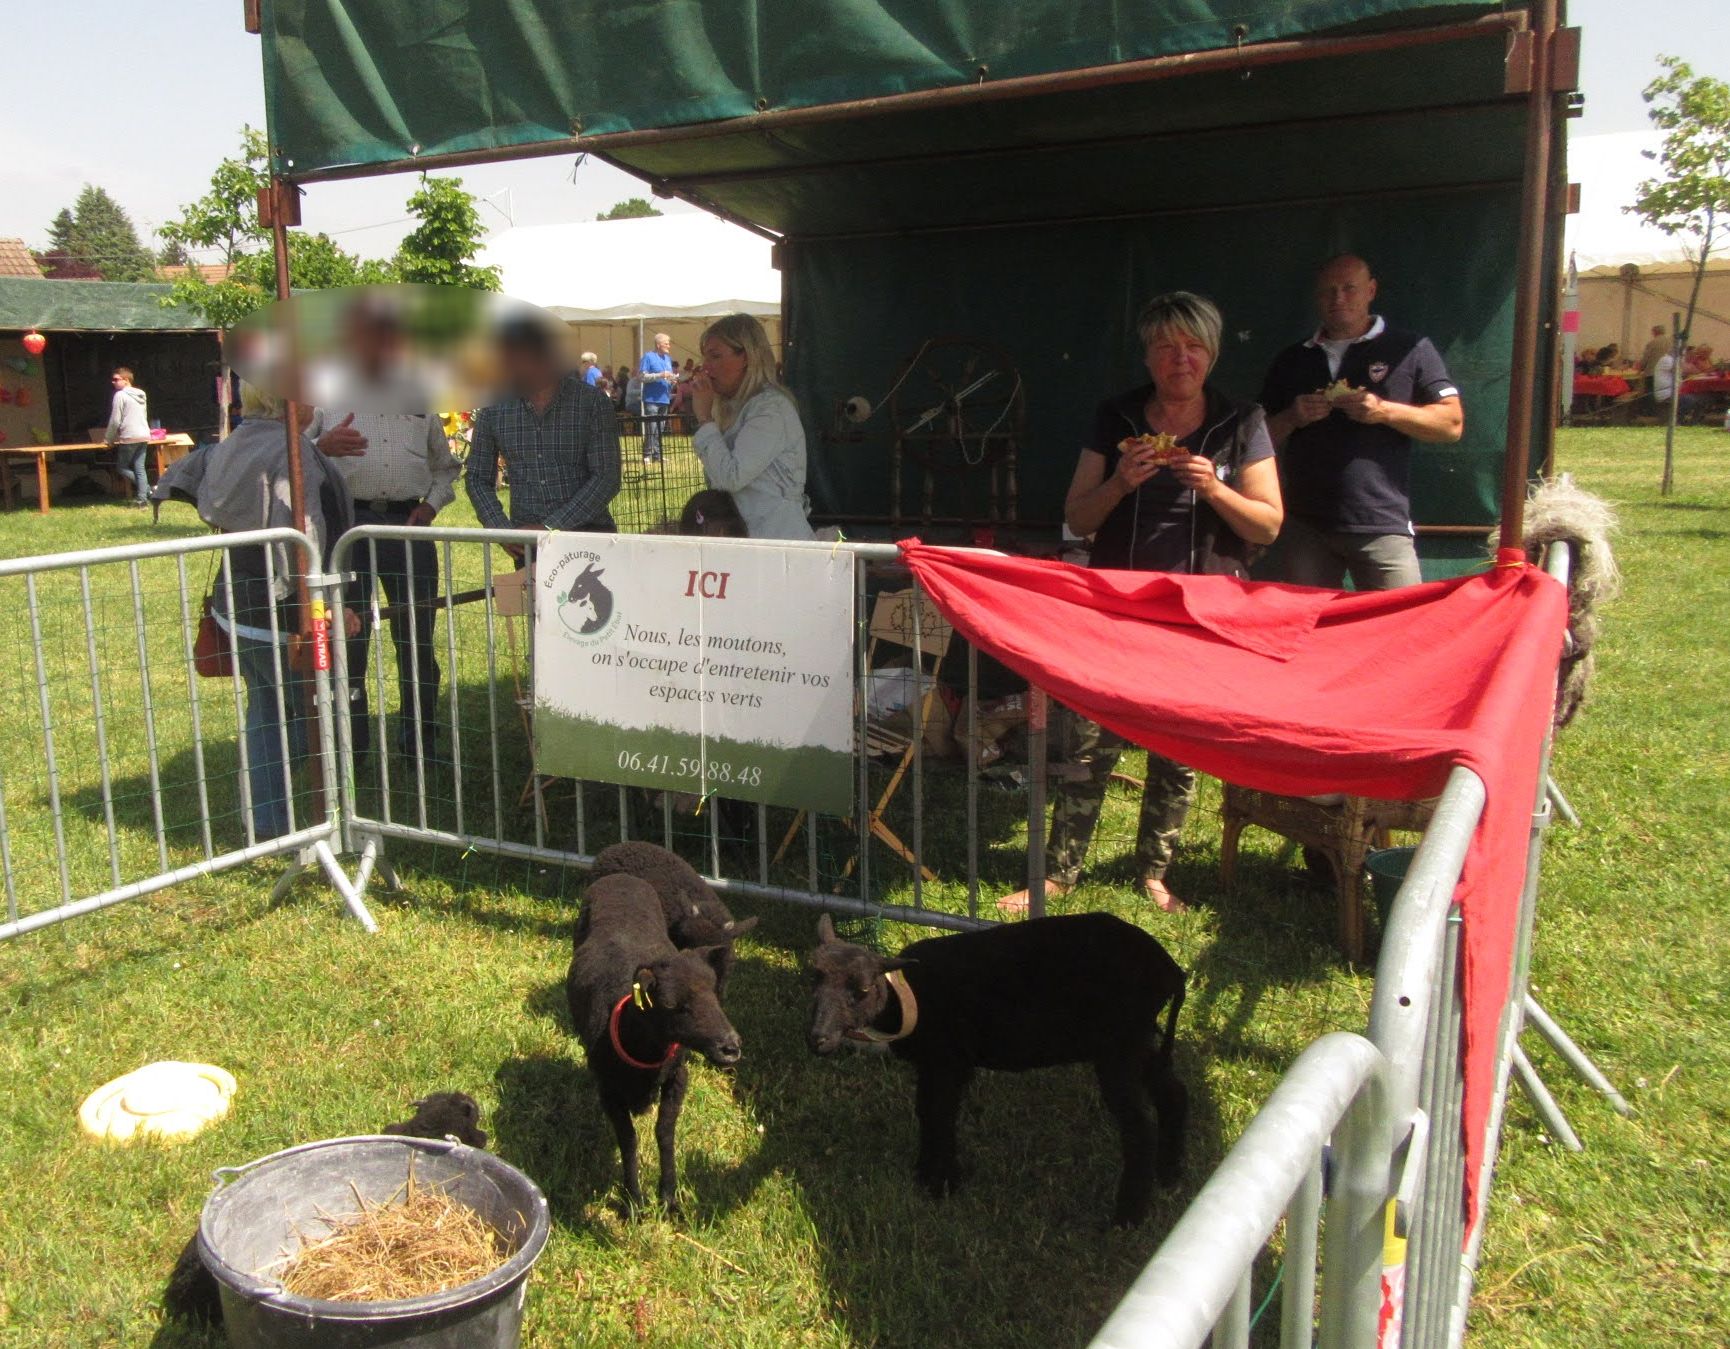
(34, 342)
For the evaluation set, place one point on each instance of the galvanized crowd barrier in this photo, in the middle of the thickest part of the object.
(1197, 1288)
(475, 788)
(144, 781)
(1198, 1281)
(127, 772)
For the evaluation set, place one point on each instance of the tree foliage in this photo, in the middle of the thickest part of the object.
(95, 238)
(1690, 198)
(225, 220)
(440, 250)
(631, 208)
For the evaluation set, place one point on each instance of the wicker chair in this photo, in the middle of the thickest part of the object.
(1342, 829)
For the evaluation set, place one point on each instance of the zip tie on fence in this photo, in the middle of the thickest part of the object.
(703, 800)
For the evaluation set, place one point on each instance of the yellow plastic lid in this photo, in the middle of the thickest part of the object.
(159, 1100)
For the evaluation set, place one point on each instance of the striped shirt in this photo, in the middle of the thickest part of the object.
(563, 463)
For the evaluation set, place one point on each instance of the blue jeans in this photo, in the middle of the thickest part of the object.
(130, 462)
(654, 418)
(264, 668)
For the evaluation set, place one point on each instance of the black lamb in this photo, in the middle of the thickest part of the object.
(1085, 988)
(695, 915)
(444, 1114)
(637, 1003)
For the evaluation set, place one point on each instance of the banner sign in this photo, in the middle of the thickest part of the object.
(696, 665)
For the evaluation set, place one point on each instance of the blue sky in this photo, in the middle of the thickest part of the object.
(162, 88)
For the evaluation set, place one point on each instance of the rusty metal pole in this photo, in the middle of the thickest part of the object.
(283, 200)
(1535, 200)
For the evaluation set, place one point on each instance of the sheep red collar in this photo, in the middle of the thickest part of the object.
(909, 1014)
(623, 1053)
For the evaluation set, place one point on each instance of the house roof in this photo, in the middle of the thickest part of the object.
(92, 306)
(17, 260)
(210, 271)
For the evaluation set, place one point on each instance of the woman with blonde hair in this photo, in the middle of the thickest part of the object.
(748, 434)
(1174, 476)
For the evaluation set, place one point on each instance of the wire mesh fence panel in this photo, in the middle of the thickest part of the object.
(125, 769)
(658, 471)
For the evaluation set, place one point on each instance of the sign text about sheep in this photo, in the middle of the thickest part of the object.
(698, 666)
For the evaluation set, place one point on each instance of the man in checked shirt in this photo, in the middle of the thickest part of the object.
(373, 418)
(558, 437)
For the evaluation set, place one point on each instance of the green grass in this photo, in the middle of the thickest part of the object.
(803, 1225)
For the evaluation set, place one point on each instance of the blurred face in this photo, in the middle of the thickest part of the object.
(374, 346)
(1345, 290)
(1178, 364)
(119, 381)
(526, 372)
(663, 343)
(725, 365)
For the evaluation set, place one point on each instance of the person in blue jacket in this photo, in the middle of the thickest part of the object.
(660, 372)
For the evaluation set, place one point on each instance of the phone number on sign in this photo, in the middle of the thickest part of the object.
(666, 765)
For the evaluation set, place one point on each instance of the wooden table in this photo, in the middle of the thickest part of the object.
(163, 453)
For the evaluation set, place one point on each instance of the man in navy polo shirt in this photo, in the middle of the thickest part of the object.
(1344, 408)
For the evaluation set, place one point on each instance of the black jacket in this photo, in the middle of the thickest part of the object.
(1163, 526)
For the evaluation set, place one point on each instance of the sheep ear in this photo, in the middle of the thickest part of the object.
(738, 927)
(825, 930)
(645, 978)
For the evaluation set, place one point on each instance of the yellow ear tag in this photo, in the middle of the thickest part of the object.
(640, 997)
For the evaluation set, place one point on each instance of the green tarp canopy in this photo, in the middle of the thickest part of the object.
(1023, 175)
(92, 307)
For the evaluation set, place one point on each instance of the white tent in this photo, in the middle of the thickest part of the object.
(687, 265)
(1609, 170)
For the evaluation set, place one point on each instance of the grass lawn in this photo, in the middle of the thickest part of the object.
(803, 1225)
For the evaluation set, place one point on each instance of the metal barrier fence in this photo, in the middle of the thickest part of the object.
(162, 781)
(462, 776)
(1199, 1280)
(1198, 1285)
(127, 772)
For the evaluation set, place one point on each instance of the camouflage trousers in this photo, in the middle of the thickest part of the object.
(1077, 800)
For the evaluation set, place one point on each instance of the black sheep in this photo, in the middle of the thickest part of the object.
(1086, 988)
(637, 1003)
(444, 1114)
(694, 913)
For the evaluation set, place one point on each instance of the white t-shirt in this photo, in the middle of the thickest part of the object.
(1664, 377)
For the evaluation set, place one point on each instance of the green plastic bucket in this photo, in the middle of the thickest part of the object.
(1387, 869)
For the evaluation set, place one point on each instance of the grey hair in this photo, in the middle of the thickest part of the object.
(1185, 312)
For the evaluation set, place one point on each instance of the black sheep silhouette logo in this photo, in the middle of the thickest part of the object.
(589, 605)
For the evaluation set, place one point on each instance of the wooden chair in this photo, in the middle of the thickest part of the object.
(892, 624)
(1342, 829)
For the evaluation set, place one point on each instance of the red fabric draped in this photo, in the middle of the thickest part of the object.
(1302, 692)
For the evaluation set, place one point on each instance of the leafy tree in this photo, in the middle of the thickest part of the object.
(632, 208)
(1690, 200)
(95, 237)
(440, 250)
(174, 254)
(224, 221)
(315, 262)
(59, 259)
